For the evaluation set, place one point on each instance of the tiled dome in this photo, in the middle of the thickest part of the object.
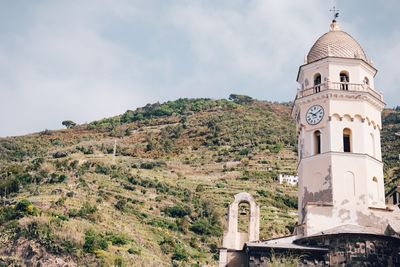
(336, 43)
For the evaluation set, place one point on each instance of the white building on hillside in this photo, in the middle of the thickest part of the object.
(287, 179)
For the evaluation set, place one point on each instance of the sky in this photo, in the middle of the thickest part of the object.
(86, 60)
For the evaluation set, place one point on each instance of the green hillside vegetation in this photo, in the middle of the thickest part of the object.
(151, 187)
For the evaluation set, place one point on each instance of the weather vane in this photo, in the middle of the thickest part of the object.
(335, 13)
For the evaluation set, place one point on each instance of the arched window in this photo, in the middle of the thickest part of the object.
(244, 217)
(344, 80)
(346, 140)
(317, 142)
(366, 80)
(317, 83)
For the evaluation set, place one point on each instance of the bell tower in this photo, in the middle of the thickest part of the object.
(338, 116)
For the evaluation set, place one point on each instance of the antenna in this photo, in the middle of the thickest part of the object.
(335, 13)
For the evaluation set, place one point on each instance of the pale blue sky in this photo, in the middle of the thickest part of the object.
(85, 60)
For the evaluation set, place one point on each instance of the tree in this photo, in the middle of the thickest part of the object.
(240, 99)
(68, 124)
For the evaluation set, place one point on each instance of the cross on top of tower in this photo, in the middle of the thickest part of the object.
(335, 13)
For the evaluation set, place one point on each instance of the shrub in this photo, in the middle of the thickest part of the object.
(60, 154)
(147, 165)
(203, 226)
(179, 253)
(94, 241)
(7, 213)
(102, 170)
(119, 261)
(121, 205)
(136, 251)
(68, 124)
(117, 239)
(25, 207)
(200, 188)
(86, 211)
(10, 185)
(178, 211)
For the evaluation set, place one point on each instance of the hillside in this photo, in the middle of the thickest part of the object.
(151, 187)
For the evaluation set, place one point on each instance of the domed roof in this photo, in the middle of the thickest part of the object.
(336, 43)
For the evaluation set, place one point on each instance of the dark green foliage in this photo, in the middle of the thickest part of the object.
(178, 211)
(179, 253)
(202, 226)
(277, 148)
(11, 149)
(87, 150)
(263, 193)
(119, 261)
(117, 239)
(94, 241)
(102, 169)
(8, 213)
(133, 250)
(87, 211)
(60, 154)
(178, 107)
(240, 99)
(121, 205)
(57, 178)
(9, 185)
(163, 223)
(167, 244)
(43, 235)
(200, 188)
(285, 201)
(68, 124)
(21, 209)
(152, 164)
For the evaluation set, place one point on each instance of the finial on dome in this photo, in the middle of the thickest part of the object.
(335, 25)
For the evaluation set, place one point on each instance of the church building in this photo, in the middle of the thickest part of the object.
(343, 219)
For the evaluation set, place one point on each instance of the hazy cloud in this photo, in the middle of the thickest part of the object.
(92, 59)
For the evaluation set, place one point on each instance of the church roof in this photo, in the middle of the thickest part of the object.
(336, 43)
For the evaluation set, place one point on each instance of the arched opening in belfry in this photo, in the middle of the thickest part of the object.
(317, 142)
(244, 217)
(317, 83)
(346, 140)
(344, 80)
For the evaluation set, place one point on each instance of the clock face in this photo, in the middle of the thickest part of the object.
(314, 114)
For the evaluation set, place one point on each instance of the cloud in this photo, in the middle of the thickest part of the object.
(63, 60)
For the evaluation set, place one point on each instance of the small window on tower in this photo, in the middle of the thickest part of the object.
(317, 83)
(347, 140)
(344, 80)
(366, 81)
(317, 142)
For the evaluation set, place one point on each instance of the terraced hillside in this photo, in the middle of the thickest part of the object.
(149, 187)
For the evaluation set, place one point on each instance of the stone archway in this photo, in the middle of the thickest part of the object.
(233, 239)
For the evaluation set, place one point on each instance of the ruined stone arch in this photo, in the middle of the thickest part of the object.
(233, 239)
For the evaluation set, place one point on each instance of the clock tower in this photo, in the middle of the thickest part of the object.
(338, 116)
